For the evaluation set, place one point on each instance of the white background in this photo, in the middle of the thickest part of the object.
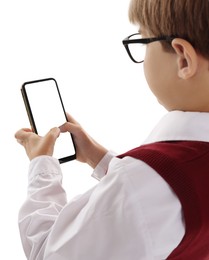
(79, 43)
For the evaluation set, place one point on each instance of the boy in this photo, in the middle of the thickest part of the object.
(152, 202)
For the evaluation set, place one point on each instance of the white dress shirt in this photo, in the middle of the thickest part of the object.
(131, 214)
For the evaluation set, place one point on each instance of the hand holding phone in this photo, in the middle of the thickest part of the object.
(36, 145)
(46, 110)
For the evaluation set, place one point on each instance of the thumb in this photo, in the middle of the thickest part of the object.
(53, 134)
(48, 141)
(68, 127)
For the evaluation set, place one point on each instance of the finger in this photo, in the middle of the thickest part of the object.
(22, 133)
(71, 119)
(64, 128)
(68, 127)
(53, 134)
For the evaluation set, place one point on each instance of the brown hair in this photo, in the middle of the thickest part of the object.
(187, 19)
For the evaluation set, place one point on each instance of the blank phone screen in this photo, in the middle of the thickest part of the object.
(47, 111)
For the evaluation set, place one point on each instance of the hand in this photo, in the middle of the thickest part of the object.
(87, 149)
(36, 145)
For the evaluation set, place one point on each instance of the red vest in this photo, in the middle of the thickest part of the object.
(185, 167)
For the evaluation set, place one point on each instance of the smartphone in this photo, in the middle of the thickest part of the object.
(45, 110)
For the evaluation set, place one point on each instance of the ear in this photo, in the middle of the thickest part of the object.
(187, 58)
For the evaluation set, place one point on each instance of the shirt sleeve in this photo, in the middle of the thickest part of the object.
(102, 167)
(45, 200)
(118, 219)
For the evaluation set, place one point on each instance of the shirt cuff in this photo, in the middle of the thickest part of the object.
(44, 165)
(102, 167)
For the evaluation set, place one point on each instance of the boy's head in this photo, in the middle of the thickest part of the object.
(178, 71)
(186, 19)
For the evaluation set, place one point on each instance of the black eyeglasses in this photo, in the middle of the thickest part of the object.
(136, 46)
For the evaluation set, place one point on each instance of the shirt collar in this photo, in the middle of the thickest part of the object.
(179, 126)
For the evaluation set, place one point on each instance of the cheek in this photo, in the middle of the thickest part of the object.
(160, 79)
(152, 74)
(155, 68)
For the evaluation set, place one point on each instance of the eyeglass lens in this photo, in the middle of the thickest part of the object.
(137, 50)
